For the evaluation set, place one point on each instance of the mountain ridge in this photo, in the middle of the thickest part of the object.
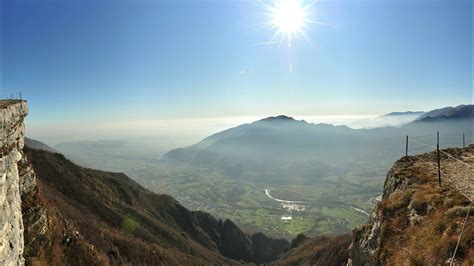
(464, 111)
(404, 113)
(119, 210)
(275, 141)
(292, 130)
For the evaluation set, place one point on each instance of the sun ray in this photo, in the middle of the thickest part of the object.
(266, 43)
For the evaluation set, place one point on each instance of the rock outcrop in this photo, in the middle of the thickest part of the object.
(12, 114)
(419, 222)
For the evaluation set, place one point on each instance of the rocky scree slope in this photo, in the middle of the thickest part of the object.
(418, 222)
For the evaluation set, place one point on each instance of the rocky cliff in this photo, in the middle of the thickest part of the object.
(419, 222)
(12, 114)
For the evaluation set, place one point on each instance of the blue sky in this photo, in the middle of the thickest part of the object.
(125, 60)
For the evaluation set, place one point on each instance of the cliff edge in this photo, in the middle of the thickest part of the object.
(12, 114)
(419, 222)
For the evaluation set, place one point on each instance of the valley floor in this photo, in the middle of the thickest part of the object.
(328, 205)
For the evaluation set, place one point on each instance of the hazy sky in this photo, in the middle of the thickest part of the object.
(106, 60)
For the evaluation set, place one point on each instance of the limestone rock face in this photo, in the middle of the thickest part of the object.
(27, 176)
(367, 238)
(366, 242)
(12, 114)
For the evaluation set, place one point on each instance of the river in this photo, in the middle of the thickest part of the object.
(267, 192)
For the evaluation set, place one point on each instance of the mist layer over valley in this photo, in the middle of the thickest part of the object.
(326, 178)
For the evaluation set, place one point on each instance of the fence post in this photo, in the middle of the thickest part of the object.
(439, 163)
(463, 142)
(406, 149)
(20, 95)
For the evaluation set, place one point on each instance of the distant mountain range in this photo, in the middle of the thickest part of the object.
(271, 143)
(405, 113)
(297, 149)
(448, 113)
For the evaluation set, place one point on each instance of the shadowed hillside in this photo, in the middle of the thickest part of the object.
(320, 250)
(106, 218)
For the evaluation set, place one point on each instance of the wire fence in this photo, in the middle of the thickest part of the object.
(459, 239)
(11, 96)
(414, 145)
(426, 143)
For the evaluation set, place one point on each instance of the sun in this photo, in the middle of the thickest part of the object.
(289, 18)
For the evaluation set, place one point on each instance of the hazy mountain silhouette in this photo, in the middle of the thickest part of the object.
(404, 113)
(298, 149)
(448, 113)
(38, 145)
(280, 142)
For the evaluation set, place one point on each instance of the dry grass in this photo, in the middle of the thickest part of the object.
(440, 213)
(320, 250)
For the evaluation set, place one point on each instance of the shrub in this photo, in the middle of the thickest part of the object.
(129, 225)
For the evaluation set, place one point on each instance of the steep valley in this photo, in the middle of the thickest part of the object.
(120, 222)
(297, 161)
(55, 212)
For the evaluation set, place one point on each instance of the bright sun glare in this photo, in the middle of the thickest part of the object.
(289, 17)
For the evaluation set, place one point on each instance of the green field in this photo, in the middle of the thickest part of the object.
(330, 200)
(328, 208)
